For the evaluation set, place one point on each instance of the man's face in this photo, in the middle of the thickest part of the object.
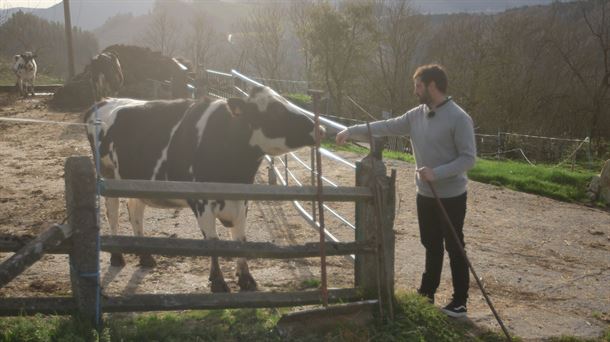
(421, 91)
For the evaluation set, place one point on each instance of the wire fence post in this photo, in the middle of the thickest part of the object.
(499, 145)
(313, 180)
(589, 158)
(286, 169)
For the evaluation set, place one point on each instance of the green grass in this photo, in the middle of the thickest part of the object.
(548, 181)
(312, 283)
(416, 320)
(363, 151)
(545, 180)
(301, 100)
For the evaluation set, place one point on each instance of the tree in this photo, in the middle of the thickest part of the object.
(300, 24)
(263, 37)
(202, 40)
(584, 49)
(27, 32)
(163, 31)
(341, 41)
(399, 30)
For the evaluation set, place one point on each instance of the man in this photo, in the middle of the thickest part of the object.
(442, 137)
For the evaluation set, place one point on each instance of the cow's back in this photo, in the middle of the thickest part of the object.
(211, 145)
(134, 134)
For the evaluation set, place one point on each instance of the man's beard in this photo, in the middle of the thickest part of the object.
(424, 98)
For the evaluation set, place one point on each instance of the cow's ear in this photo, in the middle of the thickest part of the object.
(237, 106)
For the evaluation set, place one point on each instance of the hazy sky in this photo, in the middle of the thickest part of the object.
(28, 3)
(425, 5)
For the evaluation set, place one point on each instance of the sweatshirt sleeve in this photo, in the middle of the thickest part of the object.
(397, 126)
(466, 148)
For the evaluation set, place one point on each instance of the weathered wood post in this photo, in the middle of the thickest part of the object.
(375, 272)
(82, 218)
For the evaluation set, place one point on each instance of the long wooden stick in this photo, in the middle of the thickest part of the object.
(461, 248)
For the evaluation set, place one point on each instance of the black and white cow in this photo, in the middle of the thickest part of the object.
(106, 74)
(24, 67)
(201, 141)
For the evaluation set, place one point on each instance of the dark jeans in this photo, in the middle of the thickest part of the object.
(433, 231)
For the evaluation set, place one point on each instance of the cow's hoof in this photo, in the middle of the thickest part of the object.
(246, 282)
(117, 260)
(147, 261)
(220, 286)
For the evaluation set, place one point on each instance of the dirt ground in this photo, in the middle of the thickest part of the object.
(546, 264)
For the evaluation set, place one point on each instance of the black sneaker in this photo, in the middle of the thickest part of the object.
(457, 308)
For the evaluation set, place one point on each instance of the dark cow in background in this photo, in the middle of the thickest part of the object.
(106, 75)
(199, 141)
(24, 67)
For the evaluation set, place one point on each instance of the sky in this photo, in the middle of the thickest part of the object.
(426, 6)
(28, 3)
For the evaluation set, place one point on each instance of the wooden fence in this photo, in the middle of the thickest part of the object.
(374, 195)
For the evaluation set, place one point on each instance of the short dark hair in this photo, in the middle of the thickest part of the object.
(432, 72)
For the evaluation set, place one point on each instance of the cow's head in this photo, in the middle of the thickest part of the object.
(107, 64)
(26, 60)
(277, 127)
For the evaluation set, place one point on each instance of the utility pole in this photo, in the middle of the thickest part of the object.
(68, 27)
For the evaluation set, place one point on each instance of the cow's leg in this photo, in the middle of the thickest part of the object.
(207, 223)
(238, 232)
(112, 213)
(20, 86)
(136, 218)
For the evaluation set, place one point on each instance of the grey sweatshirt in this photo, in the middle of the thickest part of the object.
(444, 142)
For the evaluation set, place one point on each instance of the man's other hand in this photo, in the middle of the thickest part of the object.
(426, 174)
(342, 137)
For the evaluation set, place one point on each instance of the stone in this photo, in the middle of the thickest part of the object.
(593, 189)
(321, 320)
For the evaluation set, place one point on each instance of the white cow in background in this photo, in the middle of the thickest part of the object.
(24, 67)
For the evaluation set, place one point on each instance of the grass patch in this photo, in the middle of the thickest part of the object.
(361, 150)
(545, 180)
(301, 100)
(416, 320)
(310, 283)
(548, 181)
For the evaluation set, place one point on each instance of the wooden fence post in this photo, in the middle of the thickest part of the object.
(82, 218)
(375, 273)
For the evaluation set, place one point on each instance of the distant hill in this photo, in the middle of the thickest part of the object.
(88, 14)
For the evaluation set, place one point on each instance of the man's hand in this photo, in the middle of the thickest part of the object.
(342, 137)
(426, 174)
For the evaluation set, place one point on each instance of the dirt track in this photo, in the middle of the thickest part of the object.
(545, 263)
